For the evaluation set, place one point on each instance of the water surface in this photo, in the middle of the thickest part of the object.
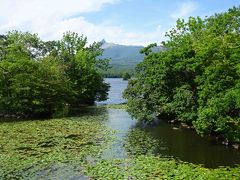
(182, 144)
(115, 94)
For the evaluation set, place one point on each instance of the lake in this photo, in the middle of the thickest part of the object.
(115, 94)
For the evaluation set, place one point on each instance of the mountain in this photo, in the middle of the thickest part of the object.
(124, 58)
(121, 54)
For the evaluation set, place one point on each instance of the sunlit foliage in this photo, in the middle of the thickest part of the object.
(196, 79)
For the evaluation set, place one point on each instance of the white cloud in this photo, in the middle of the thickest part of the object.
(184, 10)
(51, 18)
(115, 34)
(17, 12)
(28, 9)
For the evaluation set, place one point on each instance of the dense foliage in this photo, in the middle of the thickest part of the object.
(126, 76)
(37, 78)
(196, 79)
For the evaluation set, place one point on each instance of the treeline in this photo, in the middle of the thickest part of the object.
(196, 79)
(39, 78)
(117, 71)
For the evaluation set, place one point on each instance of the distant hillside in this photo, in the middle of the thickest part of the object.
(122, 54)
(124, 58)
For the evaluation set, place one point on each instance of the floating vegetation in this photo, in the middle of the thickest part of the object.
(28, 147)
(143, 162)
(139, 142)
(155, 167)
(72, 148)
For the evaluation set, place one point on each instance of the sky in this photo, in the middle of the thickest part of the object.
(128, 22)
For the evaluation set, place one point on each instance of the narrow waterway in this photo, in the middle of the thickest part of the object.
(51, 150)
(180, 143)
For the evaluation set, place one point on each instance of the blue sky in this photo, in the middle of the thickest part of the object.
(134, 22)
(147, 14)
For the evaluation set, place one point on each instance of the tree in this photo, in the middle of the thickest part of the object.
(38, 78)
(31, 88)
(82, 67)
(126, 76)
(196, 78)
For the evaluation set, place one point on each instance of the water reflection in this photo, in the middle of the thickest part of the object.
(118, 85)
(188, 146)
(183, 144)
(122, 123)
(161, 139)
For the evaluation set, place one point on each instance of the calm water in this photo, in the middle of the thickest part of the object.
(115, 93)
(182, 144)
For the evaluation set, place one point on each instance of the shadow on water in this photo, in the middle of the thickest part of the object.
(162, 139)
(188, 146)
(183, 144)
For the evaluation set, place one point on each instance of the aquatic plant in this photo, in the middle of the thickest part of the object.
(29, 147)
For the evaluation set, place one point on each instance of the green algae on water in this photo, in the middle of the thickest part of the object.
(29, 147)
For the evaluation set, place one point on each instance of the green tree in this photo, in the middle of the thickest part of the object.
(195, 79)
(126, 76)
(82, 67)
(31, 88)
(37, 78)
